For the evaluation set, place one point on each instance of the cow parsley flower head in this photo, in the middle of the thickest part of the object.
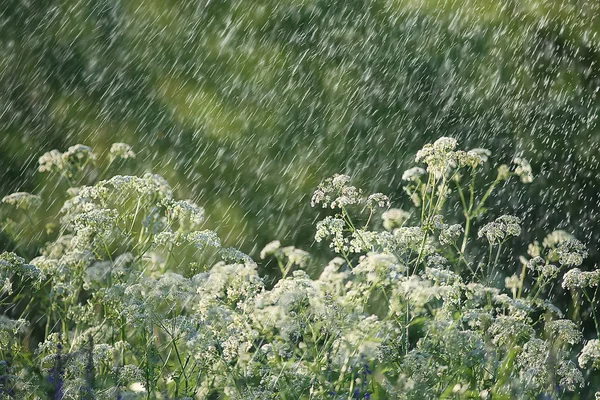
(333, 228)
(470, 159)
(296, 256)
(185, 211)
(201, 239)
(334, 192)
(449, 234)
(121, 150)
(578, 279)
(513, 283)
(590, 354)
(270, 249)
(570, 376)
(565, 331)
(378, 200)
(22, 200)
(413, 174)
(394, 218)
(52, 161)
(532, 362)
(233, 254)
(571, 252)
(483, 154)
(79, 153)
(501, 229)
(438, 156)
(523, 170)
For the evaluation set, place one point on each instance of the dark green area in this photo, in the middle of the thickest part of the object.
(247, 106)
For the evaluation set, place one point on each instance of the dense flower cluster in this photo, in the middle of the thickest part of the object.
(135, 298)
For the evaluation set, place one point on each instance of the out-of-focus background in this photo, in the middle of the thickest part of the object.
(245, 106)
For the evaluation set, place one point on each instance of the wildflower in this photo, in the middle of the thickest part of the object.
(532, 363)
(201, 239)
(565, 331)
(232, 254)
(185, 211)
(483, 154)
(22, 200)
(121, 150)
(413, 174)
(332, 227)
(52, 161)
(513, 283)
(510, 329)
(470, 159)
(570, 376)
(270, 248)
(394, 218)
(523, 170)
(577, 279)
(128, 374)
(438, 156)
(556, 237)
(80, 153)
(501, 229)
(571, 252)
(296, 256)
(590, 354)
(334, 192)
(450, 234)
(378, 200)
(503, 172)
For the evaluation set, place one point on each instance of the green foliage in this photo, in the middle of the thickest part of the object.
(249, 105)
(132, 296)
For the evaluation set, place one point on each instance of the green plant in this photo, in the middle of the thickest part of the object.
(134, 298)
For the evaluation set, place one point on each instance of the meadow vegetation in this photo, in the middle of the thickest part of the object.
(131, 297)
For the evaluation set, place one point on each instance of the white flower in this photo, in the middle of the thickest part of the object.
(571, 252)
(296, 256)
(394, 218)
(438, 156)
(450, 234)
(121, 150)
(501, 229)
(332, 227)
(270, 248)
(523, 170)
(22, 200)
(52, 161)
(565, 331)
(590, 354)
(333, 192)
(204, 238)
(413, 174)
(578, 279)
(233, 254)
(571, 377)
(79, 152)
(378, 200)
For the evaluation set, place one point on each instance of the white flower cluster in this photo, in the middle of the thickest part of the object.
(74, 158)
(501, 229)
(121, 150)
(394, 218)
(22, 200)
(438, 156)
(578, 279)
(571, 252)
(134, 299)
(293, 255)
(523, 170)
(590, 354)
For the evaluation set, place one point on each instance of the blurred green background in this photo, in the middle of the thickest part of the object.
(246, 106)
